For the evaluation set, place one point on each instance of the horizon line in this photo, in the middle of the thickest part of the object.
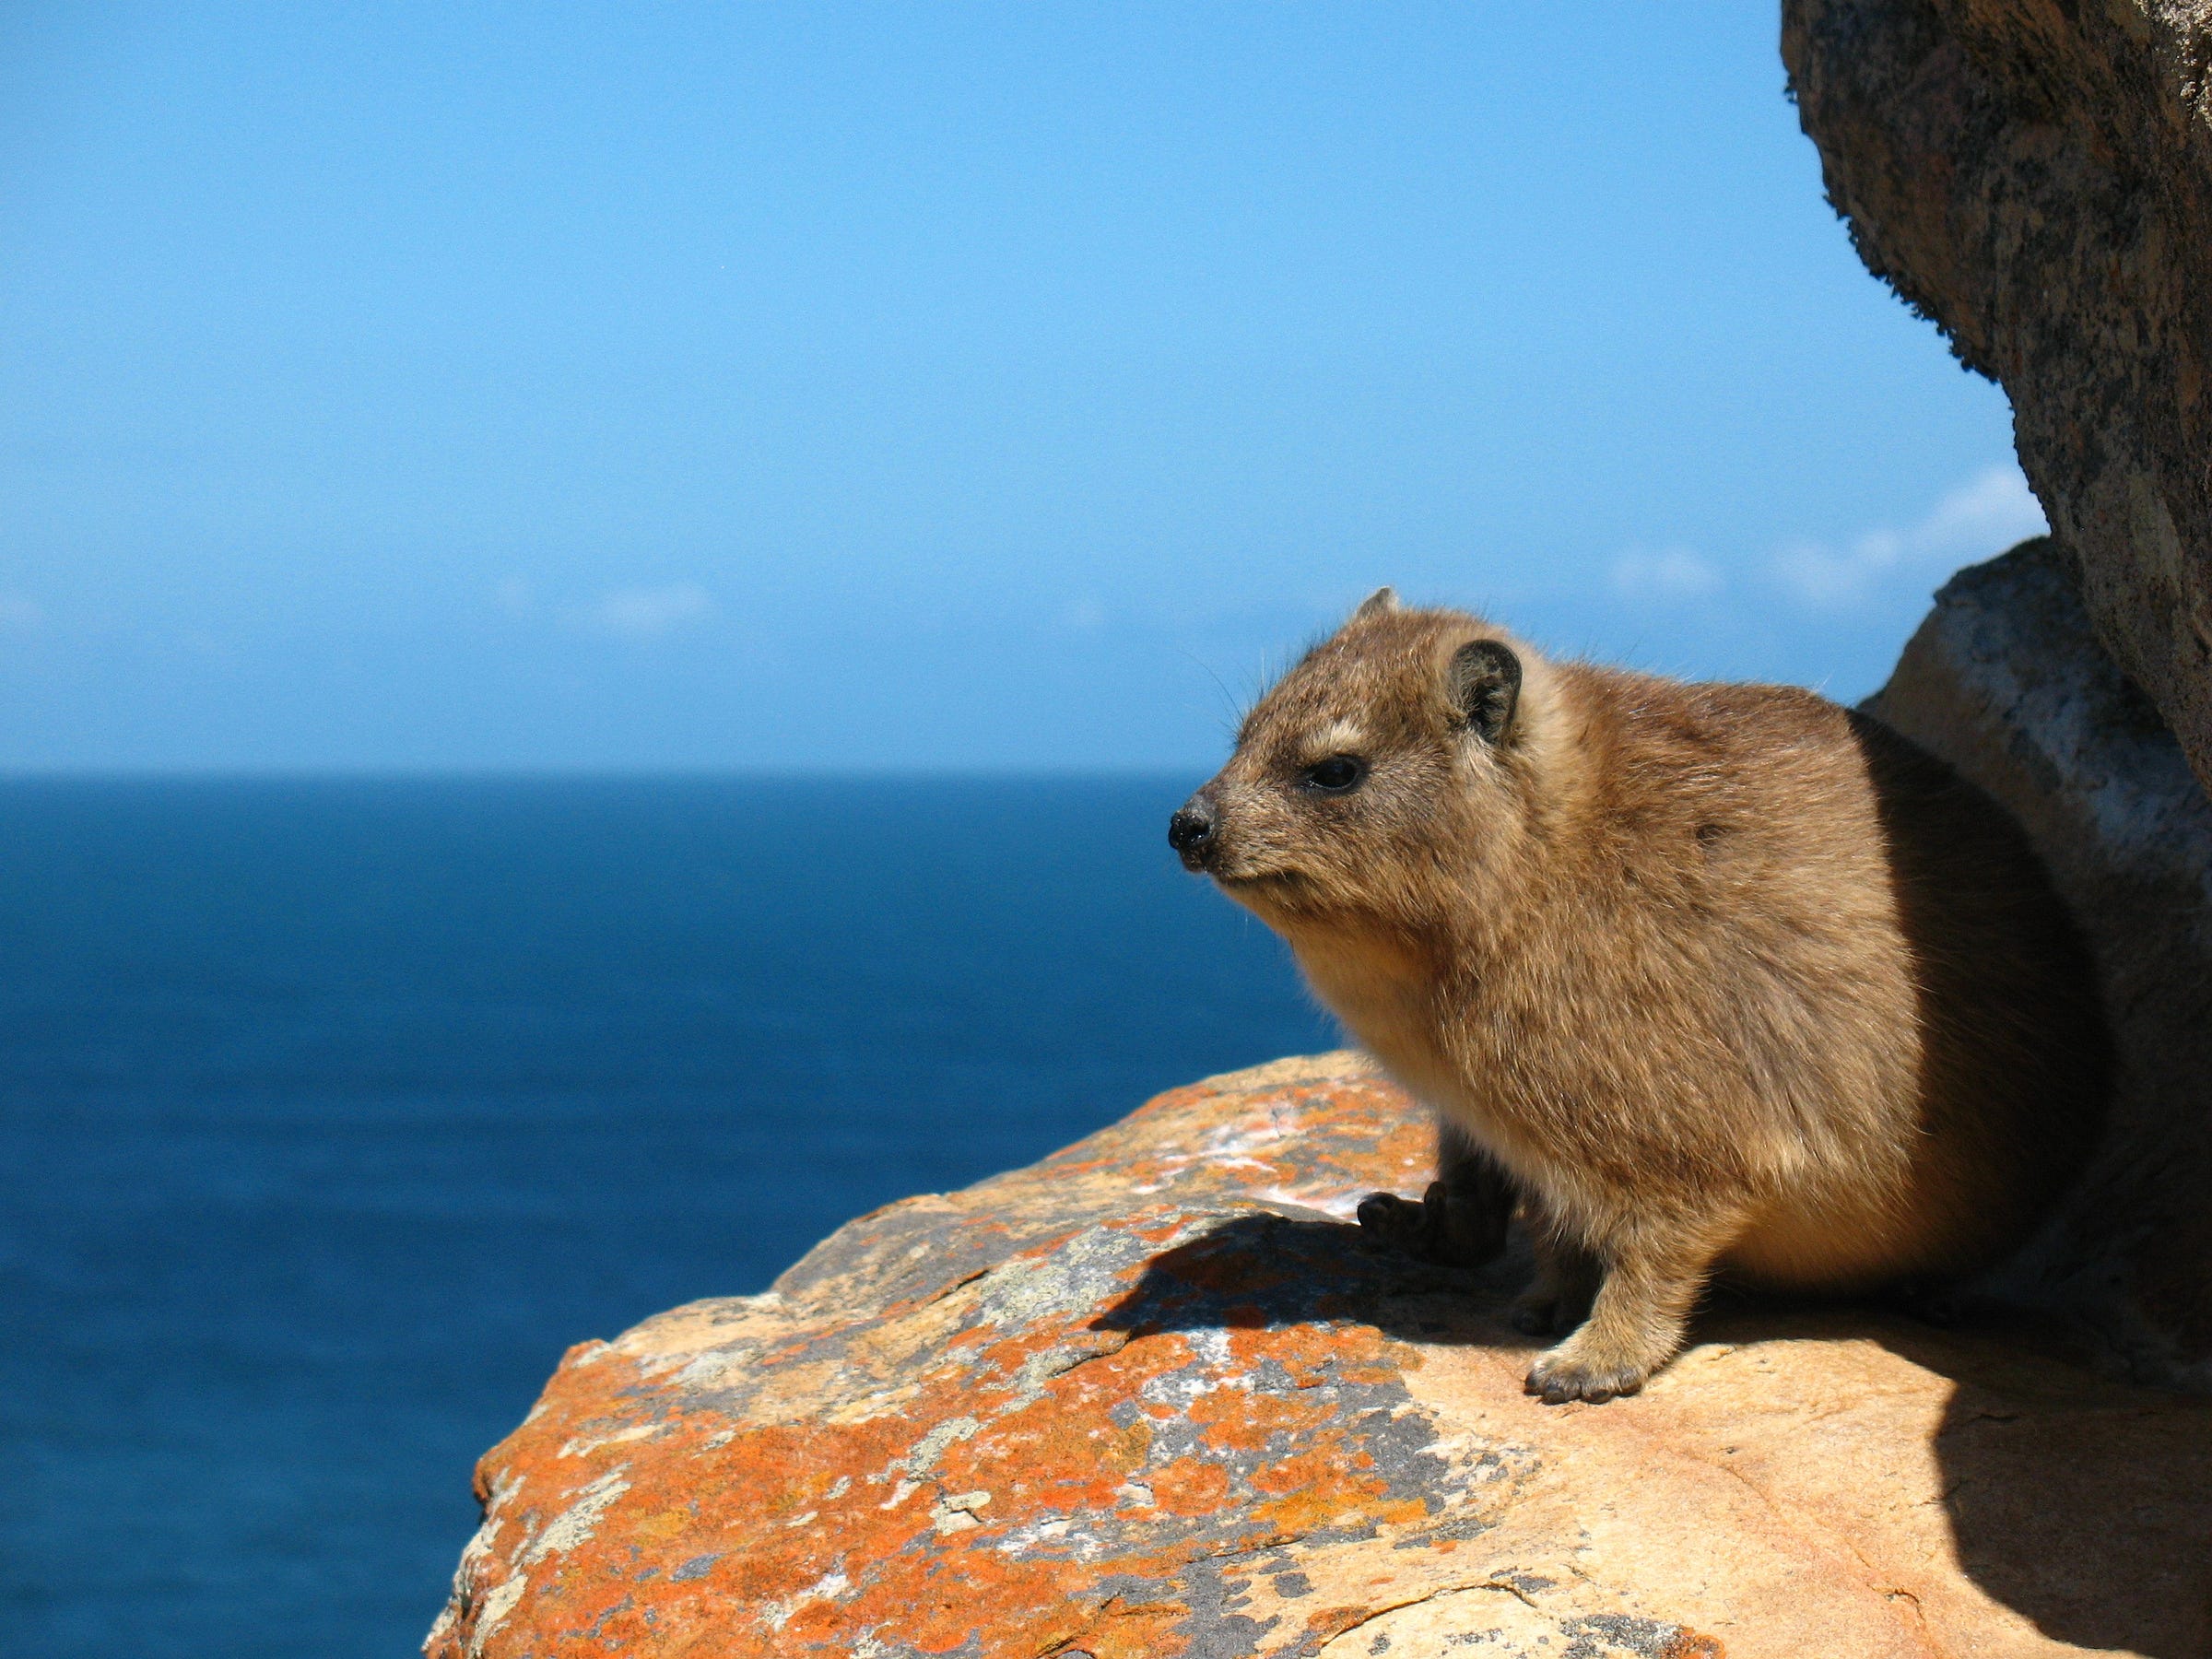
(803, 772)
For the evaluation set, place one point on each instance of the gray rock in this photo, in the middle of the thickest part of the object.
(2007, 681)
(2037, 178)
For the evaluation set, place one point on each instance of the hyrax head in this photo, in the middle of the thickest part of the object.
(1382, 762)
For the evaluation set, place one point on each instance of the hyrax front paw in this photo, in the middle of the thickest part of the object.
(1567, 1372)
(1449, 1227)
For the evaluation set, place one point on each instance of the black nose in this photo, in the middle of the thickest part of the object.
(1191, 828)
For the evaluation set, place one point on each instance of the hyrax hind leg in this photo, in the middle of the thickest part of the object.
(1652, 1272)
(1460, 1219)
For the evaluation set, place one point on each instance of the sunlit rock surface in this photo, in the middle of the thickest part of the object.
(2036, 175)
(1155, 1398)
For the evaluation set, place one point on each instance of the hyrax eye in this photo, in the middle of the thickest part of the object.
(1339, 775)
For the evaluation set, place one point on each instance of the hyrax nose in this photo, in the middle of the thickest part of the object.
(1192, 830)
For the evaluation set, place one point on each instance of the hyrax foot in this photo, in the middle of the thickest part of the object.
(1396, 1221)
(1569, 1373)
(1565, 1286)
(1936, 1302)
(1449, 1227)
(1547, 1313)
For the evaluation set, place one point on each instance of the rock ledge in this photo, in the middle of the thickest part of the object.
(1155, 1398)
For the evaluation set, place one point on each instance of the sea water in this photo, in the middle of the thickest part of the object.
(331, 1112)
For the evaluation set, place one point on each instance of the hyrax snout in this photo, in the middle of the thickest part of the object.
(1696, 978)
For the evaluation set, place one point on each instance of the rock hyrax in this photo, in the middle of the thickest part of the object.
(1697, 978)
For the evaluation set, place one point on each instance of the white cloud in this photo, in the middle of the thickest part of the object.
(1668, 573)
(1983, 517)
(646, 613)
(1990, 513)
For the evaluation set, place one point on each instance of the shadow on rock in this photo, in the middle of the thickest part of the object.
(2084, 1505)
(1266, 1271)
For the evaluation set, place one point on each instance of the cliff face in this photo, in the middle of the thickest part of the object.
(1156, 1398)
(2036, 176)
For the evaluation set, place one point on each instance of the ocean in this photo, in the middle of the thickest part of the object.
(332, 1110)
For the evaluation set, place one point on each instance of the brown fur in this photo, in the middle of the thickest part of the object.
(1703, 977)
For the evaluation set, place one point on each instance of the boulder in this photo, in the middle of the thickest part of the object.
(1156, 1396)
(2007, 681)
(2036, 176)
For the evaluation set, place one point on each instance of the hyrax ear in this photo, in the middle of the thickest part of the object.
(1382, 599)
(1484, 683)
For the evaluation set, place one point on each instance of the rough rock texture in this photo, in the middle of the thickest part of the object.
(2036, 175)
(2007, 681)
(1154, 1397)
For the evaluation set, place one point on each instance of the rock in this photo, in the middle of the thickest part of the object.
(2007, 681)
(1156, 1398)
(2036, 176)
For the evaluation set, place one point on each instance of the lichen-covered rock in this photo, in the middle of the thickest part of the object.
(2036, 175)
(1156, 1398)
(2007, 681)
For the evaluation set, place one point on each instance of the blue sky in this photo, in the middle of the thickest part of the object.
(947, 385)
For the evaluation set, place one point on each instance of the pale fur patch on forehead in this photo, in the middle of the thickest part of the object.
(1340, 736)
